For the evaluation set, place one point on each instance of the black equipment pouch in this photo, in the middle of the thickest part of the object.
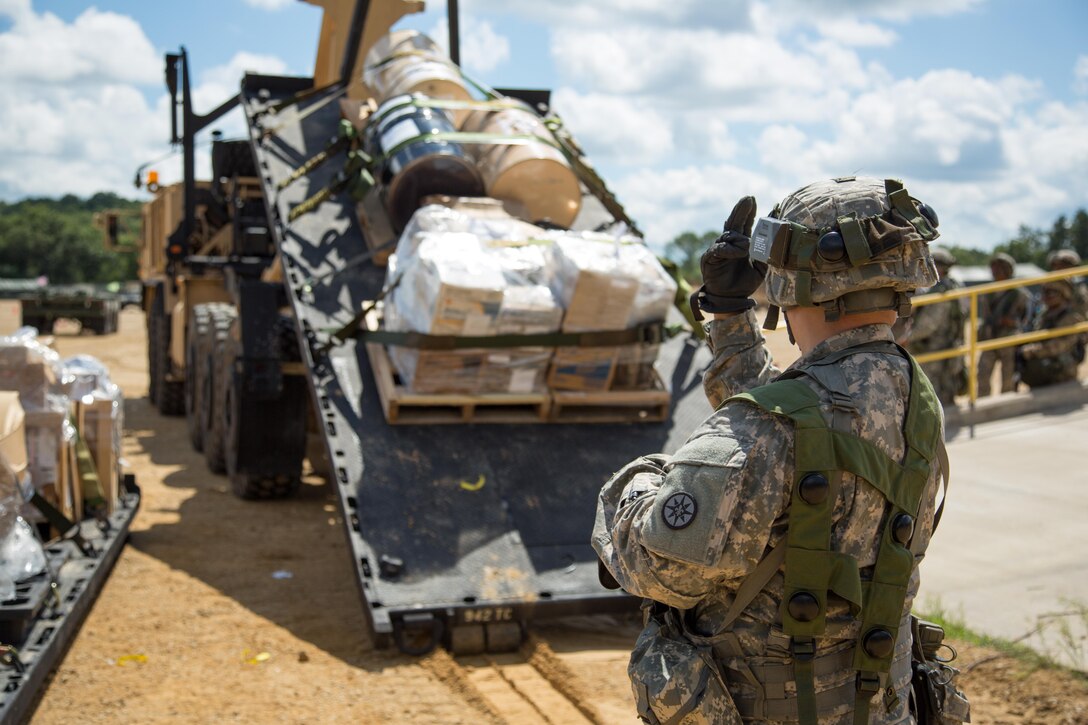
(674, 680)
(936, 699)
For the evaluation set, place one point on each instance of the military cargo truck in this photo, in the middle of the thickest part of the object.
(257, 286)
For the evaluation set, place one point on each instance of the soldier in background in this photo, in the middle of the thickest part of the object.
(1004, 313)
(940, 327)
(1055, 360)
(1067, 259)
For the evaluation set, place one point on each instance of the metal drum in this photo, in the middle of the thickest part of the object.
(406, 61)
(416, 166)
(536, 175)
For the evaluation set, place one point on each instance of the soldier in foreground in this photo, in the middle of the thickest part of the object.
(778, 548)
(940, 327)
(1005, 313)
(1056, 360)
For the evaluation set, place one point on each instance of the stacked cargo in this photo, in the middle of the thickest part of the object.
(473, 270)
(71, 414)
(429, 135)
(501, 266)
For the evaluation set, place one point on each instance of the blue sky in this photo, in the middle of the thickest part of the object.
(981, 106)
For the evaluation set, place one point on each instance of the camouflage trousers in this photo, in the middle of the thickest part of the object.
(947, 378)
(1006, 356)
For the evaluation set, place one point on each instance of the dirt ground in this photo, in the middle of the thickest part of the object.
(221, 610)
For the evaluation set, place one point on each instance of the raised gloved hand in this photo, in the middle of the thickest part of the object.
(729, 276)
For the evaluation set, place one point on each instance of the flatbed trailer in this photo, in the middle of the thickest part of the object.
(40, 624)
(460, 534)
(42, 305)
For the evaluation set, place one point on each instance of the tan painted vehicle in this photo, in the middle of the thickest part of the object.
(467, 509)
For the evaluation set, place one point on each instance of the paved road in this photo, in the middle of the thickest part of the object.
(1011, 553)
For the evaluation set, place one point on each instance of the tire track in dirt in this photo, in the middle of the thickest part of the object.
(532, 685)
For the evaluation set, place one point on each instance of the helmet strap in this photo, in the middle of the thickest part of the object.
(869, 300)
(770, 322)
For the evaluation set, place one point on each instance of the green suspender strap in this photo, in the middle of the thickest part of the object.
(822, 455)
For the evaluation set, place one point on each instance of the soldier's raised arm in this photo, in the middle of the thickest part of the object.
(730, 278)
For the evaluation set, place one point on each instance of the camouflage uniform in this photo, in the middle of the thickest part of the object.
(738, 469)
(1003, 314)
(940, 327)
(1055, 360)
(1065, 259)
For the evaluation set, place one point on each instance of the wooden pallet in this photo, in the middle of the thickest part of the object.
(403, 407)
(611, 406)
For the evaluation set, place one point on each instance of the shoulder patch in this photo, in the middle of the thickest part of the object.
(690, 514)
(679, 510)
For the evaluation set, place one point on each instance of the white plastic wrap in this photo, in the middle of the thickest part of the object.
(607, 282)
(483, 218)
(471, 272)
(21, 553)
(35, 372)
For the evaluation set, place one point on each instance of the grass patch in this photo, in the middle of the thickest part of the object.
(955, 628)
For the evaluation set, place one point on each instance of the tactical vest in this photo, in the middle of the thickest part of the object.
(823, 455)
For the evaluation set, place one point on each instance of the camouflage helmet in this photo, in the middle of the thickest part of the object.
(1003, 260)
(942, 257)
(1062, 286)
(848, 245)
(1063, 258)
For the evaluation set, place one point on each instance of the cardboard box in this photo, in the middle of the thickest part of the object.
(24, 370)
(45, 447)
(11, 316)
(635, 367)
(97, 426)
(582, 368)
(439, 371)
(50, 462)
(12, 442)
(519, 370)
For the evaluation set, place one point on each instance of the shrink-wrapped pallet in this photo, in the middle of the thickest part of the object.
(606, 282)
(456, 273)
(34, 371)
(99, 411)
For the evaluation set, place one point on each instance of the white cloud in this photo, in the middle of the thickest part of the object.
(269, 4)
(97, 47)
(900, 10)
(1080, 74)
(482, 49)
(83, 122)
(693, 198)
(853, 32)
(622, 129)
(732, 14)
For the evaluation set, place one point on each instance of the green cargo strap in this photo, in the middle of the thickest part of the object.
(643, 334)
(94, 498)
(812, 569)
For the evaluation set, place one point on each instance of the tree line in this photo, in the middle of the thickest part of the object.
(1030, 245)
(57, 239)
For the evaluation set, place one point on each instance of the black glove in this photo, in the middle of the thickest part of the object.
(729, 276)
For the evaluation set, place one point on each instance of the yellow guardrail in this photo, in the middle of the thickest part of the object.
(974, 345)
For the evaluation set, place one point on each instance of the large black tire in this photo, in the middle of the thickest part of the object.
(221, 316)
(195, 404)
(279, 423)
